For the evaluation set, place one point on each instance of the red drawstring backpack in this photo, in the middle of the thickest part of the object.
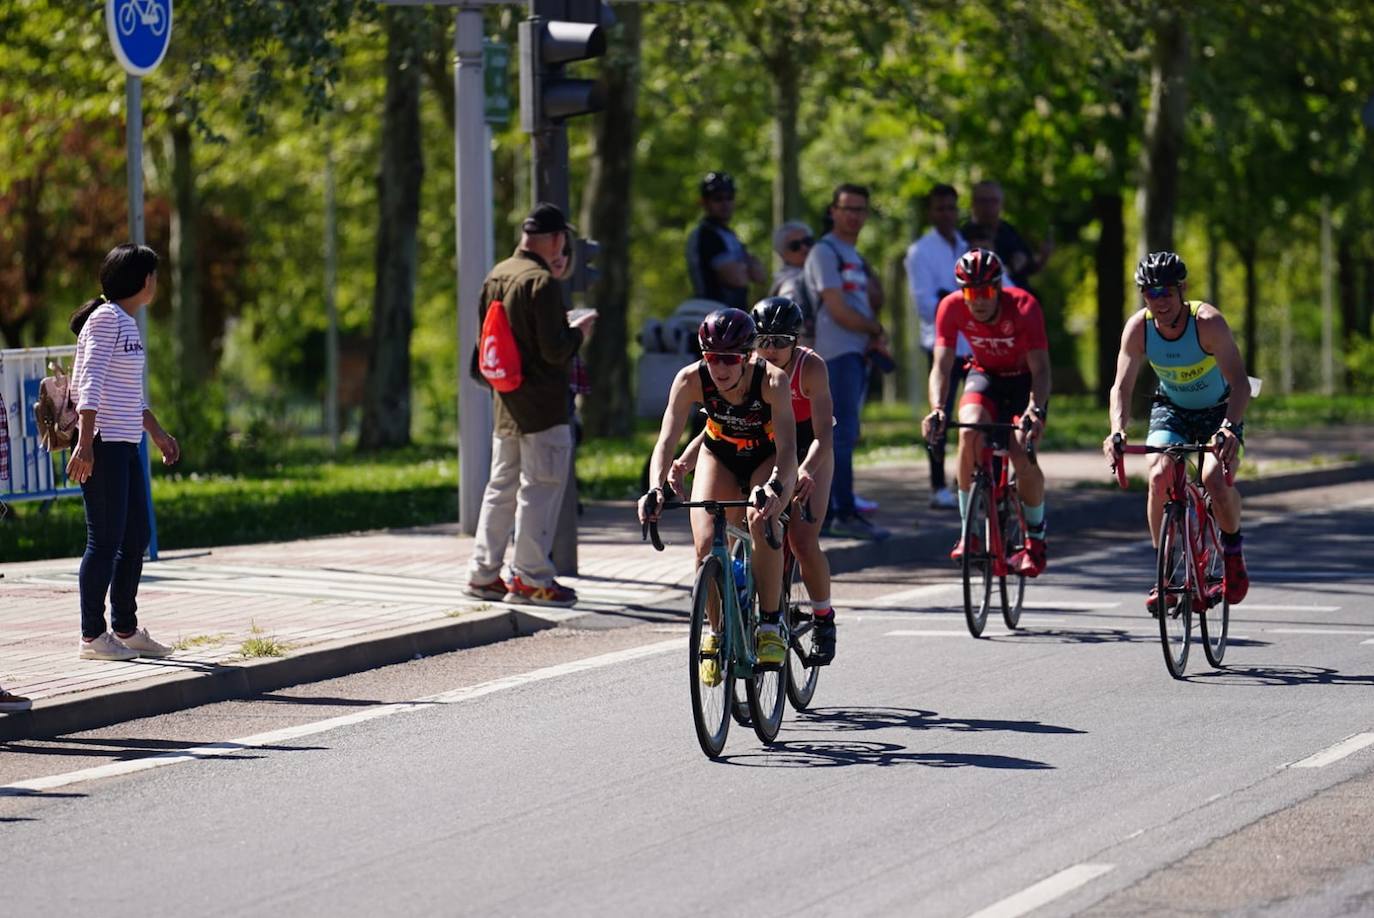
(498, 357)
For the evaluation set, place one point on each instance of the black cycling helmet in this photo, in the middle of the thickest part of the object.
(778, 315)
(727, 330)
(979, 268)
(717, 183)
(1160, 269)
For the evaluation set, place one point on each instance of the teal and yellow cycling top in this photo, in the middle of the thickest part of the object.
(1188, 375)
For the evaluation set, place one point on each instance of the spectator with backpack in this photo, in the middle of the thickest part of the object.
(526, 352)
(793, 241)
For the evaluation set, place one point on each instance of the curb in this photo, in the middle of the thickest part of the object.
(184, 689)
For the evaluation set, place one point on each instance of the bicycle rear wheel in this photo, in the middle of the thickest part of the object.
(1013, 540)
(711, 701)
(796, 601)
(1174, 586)
(976, 562)
(1216, 620)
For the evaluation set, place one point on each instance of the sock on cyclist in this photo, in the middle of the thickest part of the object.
(1035, 517)
(963, 503)
(1232, 542)
(821, 608)
(771, 618)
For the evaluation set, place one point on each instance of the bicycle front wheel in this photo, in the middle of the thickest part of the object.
(710, 670)
(1174, 589)
(796, 603)
(1216, 620)
(976, 562)
(1013, 584)
(767, 694)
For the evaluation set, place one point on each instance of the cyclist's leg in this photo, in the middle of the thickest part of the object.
(1226, 506)
(1168, 426)
(767, 560)
(976, 406)
(1030, 481)
(805, 539)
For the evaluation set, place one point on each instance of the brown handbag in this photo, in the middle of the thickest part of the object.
(55, 411)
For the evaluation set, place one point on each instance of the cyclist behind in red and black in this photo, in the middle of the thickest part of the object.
(1202, 396)
(750, 450)
(1009, 378)
(780, 321)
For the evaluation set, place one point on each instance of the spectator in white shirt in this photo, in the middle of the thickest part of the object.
(930, 265)
(107, 385)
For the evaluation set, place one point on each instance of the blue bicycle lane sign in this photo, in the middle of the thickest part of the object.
(140, 31)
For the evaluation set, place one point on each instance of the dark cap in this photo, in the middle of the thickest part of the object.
(545, 218)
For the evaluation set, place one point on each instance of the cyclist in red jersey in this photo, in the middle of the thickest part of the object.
(780, 321)
(1009, 377)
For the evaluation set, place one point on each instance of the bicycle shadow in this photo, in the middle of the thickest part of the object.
(1100, 636)
(1281, 675)
(843, 720)
(839, 754)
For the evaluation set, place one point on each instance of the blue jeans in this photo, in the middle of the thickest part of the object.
(848, 385)
(117, 534)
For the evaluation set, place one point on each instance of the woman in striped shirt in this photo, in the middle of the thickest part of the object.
(107, 383)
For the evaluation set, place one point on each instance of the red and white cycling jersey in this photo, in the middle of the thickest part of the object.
(1000, 346)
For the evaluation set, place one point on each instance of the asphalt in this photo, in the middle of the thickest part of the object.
(935, 775)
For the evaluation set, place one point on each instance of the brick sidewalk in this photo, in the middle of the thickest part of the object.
(363, 587)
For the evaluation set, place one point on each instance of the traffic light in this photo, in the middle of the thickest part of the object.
(546, 47)
(586, 273)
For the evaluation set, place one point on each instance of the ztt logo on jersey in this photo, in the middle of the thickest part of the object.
(995, 345)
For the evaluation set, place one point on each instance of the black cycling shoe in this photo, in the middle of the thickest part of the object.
(823, 641)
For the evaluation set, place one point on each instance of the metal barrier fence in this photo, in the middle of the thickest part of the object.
(34, 473)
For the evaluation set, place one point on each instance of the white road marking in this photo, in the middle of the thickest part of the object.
(1054, 605)
(961, 633)
(1260, 607)
(1335, 753)
(918, 617)
(1319, 630)
(39, 785)
(1044, 892)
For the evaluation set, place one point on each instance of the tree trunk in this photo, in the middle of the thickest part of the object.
(183, 249)
(1348, 293)
(1111, 288)
(386, 405)
(1367, 299)
(1163, 132)
(1248, 251)
(787, 197)
(606, 216)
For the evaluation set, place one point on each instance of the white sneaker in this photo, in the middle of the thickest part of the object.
(943, 499)
(141, 642)
(106, 647)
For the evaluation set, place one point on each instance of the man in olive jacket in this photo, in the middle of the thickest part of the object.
(531, 450)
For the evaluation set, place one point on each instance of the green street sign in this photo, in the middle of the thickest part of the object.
(495, 65)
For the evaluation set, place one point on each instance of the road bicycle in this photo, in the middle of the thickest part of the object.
(151, 13)
(1190, 565)
(994, 529)
(719, 598)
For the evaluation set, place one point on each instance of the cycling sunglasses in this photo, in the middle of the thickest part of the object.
(980, 293)
(723, 358)
(805, 242)
(775, 342)
(1155, 293)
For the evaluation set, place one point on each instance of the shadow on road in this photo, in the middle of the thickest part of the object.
(847, 719)
(1292, 676)
(125, 750)
(820, 754)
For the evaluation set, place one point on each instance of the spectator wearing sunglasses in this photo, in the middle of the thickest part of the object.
(720, 267)
(930, 263)
(793, 242)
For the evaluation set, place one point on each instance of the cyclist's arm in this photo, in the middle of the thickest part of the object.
(1039, 361)
(1128, 363)
(778, 394)
(846, 316)
(816, 387)
(942, 364)
(685, 391)
(1215, 337)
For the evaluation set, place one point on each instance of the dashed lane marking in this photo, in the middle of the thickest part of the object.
(1044, 892)
(1335, 753)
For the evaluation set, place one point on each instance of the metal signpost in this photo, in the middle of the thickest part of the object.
(140, 31)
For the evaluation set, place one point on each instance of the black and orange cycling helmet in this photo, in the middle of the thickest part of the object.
(979, 268)
(726, 331)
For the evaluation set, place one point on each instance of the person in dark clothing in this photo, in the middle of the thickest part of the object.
(719, 265)
(1020, 261)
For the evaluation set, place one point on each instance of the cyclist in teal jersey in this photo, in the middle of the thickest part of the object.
(1202, 395)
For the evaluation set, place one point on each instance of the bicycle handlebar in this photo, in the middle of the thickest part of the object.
(649, 529)
(1175, 450)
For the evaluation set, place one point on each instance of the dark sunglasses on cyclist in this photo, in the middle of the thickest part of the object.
(805, 242)
(1155, 293)
(775, 342)
(980, 293)
(723, 358)
(720, 198)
